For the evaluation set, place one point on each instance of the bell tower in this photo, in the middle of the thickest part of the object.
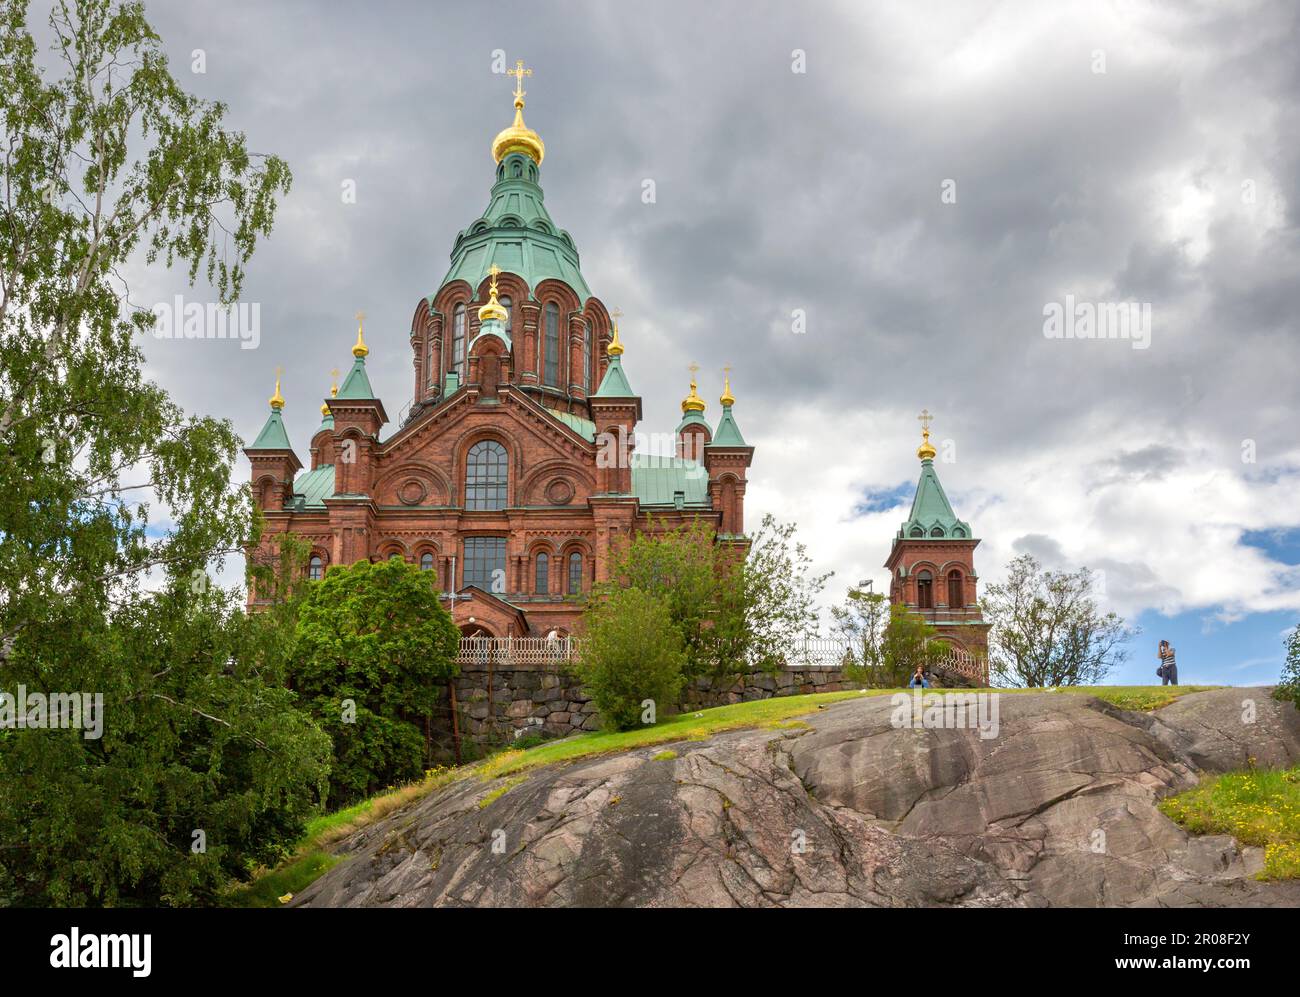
(932, 562)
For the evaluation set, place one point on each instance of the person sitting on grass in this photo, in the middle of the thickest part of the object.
(919, 679)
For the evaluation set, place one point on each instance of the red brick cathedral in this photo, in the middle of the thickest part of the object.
(516, 467)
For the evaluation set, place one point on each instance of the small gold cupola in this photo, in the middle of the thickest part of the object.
(277, 399)
(615, 347)
(334, 392)
(926, 450)
(360, 349)
(727, 399)
(518, 137)
(693, 402)
(493, 309)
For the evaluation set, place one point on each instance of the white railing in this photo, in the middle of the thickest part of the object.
(811, 652)
(517, 651)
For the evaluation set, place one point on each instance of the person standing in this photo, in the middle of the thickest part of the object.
(1168, 670)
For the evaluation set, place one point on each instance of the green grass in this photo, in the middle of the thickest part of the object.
(1258, 807)
(779, 713)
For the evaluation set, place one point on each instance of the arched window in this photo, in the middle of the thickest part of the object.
(586, 357)
(426, 561)
(315, 568)
(917, 531)
(485, 476)
(575, 574)
(937, 531)
(510, 312)
(543, 580)
(956, 598)
(458, 341)
(551, 360)
(924, 591)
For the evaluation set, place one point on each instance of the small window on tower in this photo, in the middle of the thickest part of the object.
(924, 591)
(426, 562)
(917, 531)
(458, 342)
(575, 574)
(551, 359)
(956, 598)
(510, 314)
(543, 579)
(315, 567)
(937, 531)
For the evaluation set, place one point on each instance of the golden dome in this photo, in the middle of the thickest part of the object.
(277, 399)
(727, 399)
(334, 392)
(615, 347)
(925, 451)
(692, 402)
(360, 349)
(519, 137)
(493, 309)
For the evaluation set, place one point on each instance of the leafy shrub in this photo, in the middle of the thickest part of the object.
(632, 653)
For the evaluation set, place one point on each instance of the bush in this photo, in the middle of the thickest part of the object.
(374, 648)
(1289, 685)
(632, 653)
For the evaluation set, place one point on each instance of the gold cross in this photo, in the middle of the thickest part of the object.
(494, 270)
(334, 377)
(361, 316)
(694, 369)
(616, 314)
(519, 72)
(727, 371)
(925, 417)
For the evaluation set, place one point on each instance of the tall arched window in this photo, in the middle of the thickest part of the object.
(542, 583)
(458, 341)
(956, 597)
(575, 573)
(510, 312)
(551, 360)
(485, 476)
(924, 591)
(586, 357)
(315, 567)
(426, 561)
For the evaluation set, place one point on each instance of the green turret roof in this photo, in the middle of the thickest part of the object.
(694, 419)
(932, 511)
(357, 384)
(516, 233)
(614, 383)
(273, 435)
(728, 434)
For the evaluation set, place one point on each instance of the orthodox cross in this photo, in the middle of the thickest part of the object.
(925, 418)
(519, 72)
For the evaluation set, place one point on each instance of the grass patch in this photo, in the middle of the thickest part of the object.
(1259, 807)
(664, 756)
(292, 877)
(499, 792)
(1138, 698)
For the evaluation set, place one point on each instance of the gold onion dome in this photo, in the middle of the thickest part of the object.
(727, 399)
(692, 402)
(615, 347)
(519, 137)
(334, 393)
(926, 450)
(277, 399)
(360, 349)
(493, 309)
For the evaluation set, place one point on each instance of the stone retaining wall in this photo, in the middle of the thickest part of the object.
(539, 700)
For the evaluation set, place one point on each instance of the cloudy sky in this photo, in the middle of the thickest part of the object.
(921, 181)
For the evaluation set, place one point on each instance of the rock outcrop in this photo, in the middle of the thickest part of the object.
(847, 808)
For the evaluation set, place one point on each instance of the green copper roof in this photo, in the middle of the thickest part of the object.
(656, 480)
(517, 234)
(273, 435)
(357, 383)
(728, 434)
(931, 510)
(311, 488)
(694, 419)
(492, 327)
(583, 427)
(614, 384)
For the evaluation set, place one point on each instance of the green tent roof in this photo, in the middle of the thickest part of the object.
(311, 488)
(694, 419)
(273, 435)
(656, 480)
(728, 434)
(932, 516)
(614, 383)
(357, 384)
(583, 427)
(516, 233)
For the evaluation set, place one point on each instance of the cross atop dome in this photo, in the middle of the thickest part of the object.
(519, 137)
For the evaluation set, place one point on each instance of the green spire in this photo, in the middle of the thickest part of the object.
(614, 383)
(273, 435)
(728, 434)
(932, 511)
